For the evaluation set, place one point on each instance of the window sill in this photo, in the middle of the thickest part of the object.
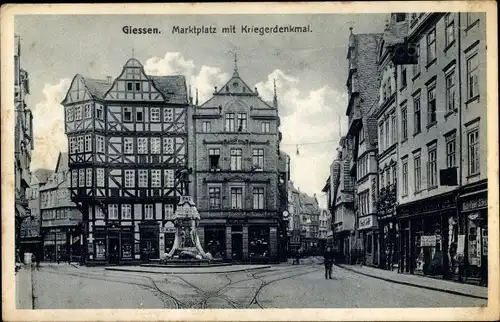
(450, 112)
(430, 63)
(404, 140)
(415, 77)
(432, 188)
(417, 133)
(472, 25)
(449, 46)
(473, 175)
(431, 125)
(404, 196)
(471, 100)
(418, 192)
(403, 87)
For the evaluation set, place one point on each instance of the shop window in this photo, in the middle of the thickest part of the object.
(127, 243)
(215, 241)
(258, 242)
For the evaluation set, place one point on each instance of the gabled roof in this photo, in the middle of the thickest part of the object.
(42, 175)
(96, 87)
(172, 87)
(62, 162)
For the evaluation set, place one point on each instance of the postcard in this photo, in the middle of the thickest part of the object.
(244, 161)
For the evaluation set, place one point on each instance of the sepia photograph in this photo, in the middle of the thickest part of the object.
(186, 160)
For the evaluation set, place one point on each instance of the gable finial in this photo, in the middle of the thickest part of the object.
(196, 96)
(235, 71)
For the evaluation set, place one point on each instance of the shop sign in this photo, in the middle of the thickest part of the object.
(367, 222)
(167, 230)
(475, 204)
(428, 241)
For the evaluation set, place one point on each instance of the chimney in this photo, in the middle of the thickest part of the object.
(109, 80)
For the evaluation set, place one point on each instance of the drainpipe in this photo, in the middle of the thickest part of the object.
(462, 225)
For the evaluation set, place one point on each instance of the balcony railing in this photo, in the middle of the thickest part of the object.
(387, 200)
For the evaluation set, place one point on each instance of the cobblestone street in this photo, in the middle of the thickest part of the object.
(73, 287)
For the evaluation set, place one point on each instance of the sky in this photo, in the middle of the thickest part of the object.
(310, 70)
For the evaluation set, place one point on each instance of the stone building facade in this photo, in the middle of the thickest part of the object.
(236, 179)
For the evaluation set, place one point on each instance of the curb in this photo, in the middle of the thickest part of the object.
(211, 272)
(414, 285)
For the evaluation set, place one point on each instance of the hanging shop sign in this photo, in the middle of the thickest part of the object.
(428, 241)
(367, 222)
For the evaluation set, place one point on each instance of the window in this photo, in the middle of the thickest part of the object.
(416, 67)
(80, 144)
(156, 178)
(382, 179)
(236, 159)
(469, 19)
(431, 46)
(88, 143)
(258, 158)
(88, 111)
(126, 212)
(405, 177)
(361, 134)
(389, 87)
(206, 126)
(148, 212)
(138, 86)
(72, 146)
(100, 144)
(450, 151)
(418, 173)
(139, 115)
(168, 115)
(129, 86)
(381, 136)
(432, 168)
(394, 174)
(431, 105)
(394, 128)
(472, 77)
(236, 197)
(99, 214)
(142, 145)
(99, 112)
(129, 178)
(169, 178)
(450, 91)
(155, 114)
(229, 122)
(100, 177)
(214, 197)
(128, 145)
(113, 212)
(417, 118)
(364, 200)
(404, 123)
(143, 178)
(403, 78)
(155, 145)
(265, 127)
(127, 114)
(169, 211)
(473, 155)
(214, 156)
(168, 145)
(388, 176)
(258, 198)
(78, 112)
(450, 29)
(242, 122)
(81, 178)
(387, 134)
(69, 114)
(88, 177)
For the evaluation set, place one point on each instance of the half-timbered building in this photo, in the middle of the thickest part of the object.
(237, 173)
(127, 138)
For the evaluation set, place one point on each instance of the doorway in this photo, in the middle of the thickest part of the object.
(237, 246)
(114, 249)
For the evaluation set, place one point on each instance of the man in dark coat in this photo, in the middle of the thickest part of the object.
(328, 260)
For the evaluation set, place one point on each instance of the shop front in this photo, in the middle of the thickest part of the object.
(112, 244)
(149, 244)
(368, 234)
(62, 243)
(472, 246)
(427, 233)
(388, 240)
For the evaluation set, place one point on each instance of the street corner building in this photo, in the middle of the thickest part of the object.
(127, 140)
(239, 170)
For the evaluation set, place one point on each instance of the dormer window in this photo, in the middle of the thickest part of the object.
(235, 84)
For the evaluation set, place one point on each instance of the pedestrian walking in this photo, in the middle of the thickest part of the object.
(328, 261)
(297, 256)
